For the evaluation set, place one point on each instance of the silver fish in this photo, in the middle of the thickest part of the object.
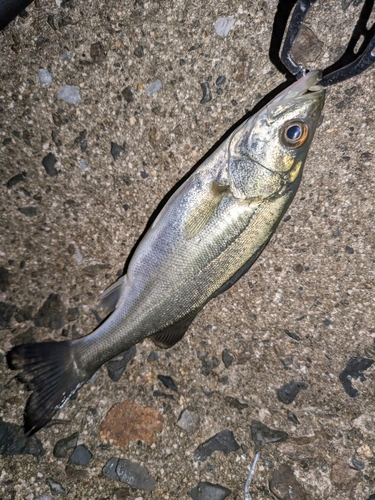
(205, 238)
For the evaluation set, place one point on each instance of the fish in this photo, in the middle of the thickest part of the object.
(207, 235)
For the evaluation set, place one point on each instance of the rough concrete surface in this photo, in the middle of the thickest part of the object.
(73, 213)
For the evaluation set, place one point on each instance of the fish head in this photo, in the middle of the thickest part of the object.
(274, 143)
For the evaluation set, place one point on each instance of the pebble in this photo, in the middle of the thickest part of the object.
(235, 403)
(154, 87)
(127, 94)
(354, 370)
(188, 421)
(357, 463)
(307, 47)
(97, 52)
(288, 392)
(227, 358)
(209, 491)
(284, 485)
(14, 442)
(127, 421)
(306, 447)
(52, 313)
(221, 80)
(80, 456)
(292, 335)
(4, 279)
(83, 165)
(261, 434)
(345, 4)
(16, 179)
(116, 150)
(160, 394)
(30, 212)
(117, 366)
(62, 446)
(24, 314)
(349, 250)
(7, 309)
(224, 25)
(365, 451)
(344, 476)
(55, 487)
(208, 364)
(223, 441)
(207, 96)
(70, 94)
(45, 76)
(168, 382)
(139, 51)
(131, 473)
(49, 162)
(93, 270)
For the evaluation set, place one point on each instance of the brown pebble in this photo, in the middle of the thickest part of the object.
(126, 422)
(308, 47)
(284, 485)
(344, 476)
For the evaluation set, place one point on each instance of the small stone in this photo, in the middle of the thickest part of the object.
(305, 448)
(156, 137)
(351, 91)
(45, 76)
(207, 96)
(126, 422)
(127, 94)
(364, 451)
(4, 279)
(16, 179)
(234, 102)
(83, 165)
(349, 250)
(220, 80)
(97, 52)
(344, 477)
(70, 94)
(160, 394)
(24, 314)
(62, 446)
(188, 421)
(117, 366)
(336, 233)
(144, 174)
(116, 150)
(224, 25)
(14, 442)
(154, 87)
(55, 487)
(135, 475)
(109, 470)
(292, 335)
(139, 51)
(327, 322)
(209, 491)
(30, 212)
(223, 441)
(93, 270)
(357, 463)
(49, 162)
(366, 155)
(52, 313)
(7, 309)
(80, 456)
(153, 356)
(292, 417)
(227, 358)
(307, 47)
(354, 370)
(235, 403)
(284, 485)
(168, 382)
(288, 392)
(208, 364)
(261, 434)
(345, 4)
(298, 268)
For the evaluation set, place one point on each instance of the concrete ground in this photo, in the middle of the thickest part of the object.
(67, 227)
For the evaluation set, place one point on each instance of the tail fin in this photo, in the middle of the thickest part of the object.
(49, 371)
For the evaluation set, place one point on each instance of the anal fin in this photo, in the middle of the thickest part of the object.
(110, 297)
(173, 333)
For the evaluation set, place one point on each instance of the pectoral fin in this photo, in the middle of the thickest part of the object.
(200, 215)
(172, 334)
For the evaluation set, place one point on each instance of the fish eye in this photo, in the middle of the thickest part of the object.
(294, 134)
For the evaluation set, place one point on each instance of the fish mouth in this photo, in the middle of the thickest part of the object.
(305, 88)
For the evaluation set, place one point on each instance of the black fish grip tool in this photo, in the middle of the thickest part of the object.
(351, 63)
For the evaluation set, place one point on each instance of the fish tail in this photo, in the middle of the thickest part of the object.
(50, 372)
